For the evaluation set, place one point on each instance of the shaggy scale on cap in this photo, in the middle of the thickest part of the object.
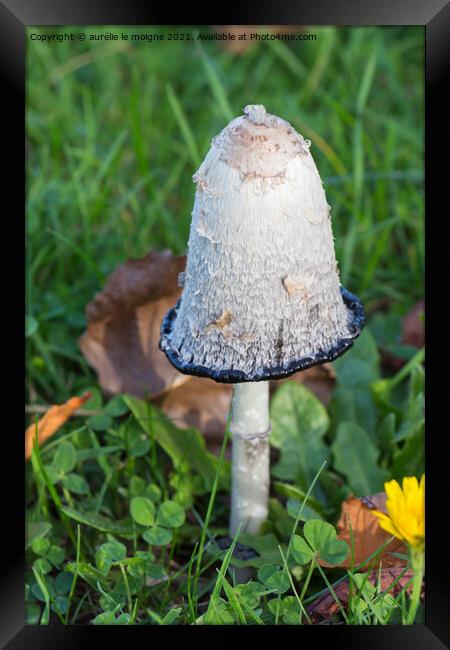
(261, 296)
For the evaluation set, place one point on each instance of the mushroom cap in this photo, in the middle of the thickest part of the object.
(261, 297)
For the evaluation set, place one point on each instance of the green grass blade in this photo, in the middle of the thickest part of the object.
(184, 126)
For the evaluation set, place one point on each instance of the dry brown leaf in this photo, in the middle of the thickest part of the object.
(204, 403)
(124, 321)
(319, 379)
(325, 606)
(367, 534)
(122, 344)
(237, 46)
(414, 326)
(413, 333)
(201, 403)
(49, 424)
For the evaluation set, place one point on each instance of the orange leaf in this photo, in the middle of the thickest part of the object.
(55, 417)
(367, 534)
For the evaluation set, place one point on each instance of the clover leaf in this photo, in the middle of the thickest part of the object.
(142, 511)
(321, 541)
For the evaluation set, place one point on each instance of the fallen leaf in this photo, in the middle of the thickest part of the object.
(391, 362)
(237, 46)
(412, 334)
(367, 534)
(204, 403)
(200, 403)
(124, 321)
(414, 326)
(49, 424)
(122, 345)
(325, 606)
(319, 379)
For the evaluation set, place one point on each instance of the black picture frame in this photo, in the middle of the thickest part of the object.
(15, 16)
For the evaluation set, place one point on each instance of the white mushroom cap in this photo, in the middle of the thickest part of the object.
(261, 293)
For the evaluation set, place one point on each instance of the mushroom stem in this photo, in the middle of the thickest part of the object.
(250, 467)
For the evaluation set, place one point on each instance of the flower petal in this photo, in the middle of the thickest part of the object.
(410, 484)
(392, 489)
(387, 524)
(406, 510)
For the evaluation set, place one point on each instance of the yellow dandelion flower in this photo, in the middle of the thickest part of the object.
(405, 518)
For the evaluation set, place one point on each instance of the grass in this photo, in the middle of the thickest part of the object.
(115, 132)
(122, 518)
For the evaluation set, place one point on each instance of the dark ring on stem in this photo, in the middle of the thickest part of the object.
(253, 436)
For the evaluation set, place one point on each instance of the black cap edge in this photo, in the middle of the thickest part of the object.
(230, 376)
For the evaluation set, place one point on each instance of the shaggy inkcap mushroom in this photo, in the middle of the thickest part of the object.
(261, 296)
